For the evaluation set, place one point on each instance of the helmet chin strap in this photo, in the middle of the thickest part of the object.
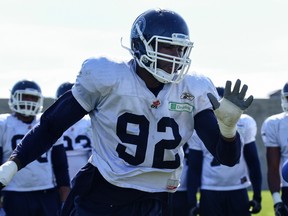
(160, 75)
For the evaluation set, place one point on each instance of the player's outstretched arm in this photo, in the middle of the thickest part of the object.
(229, 109)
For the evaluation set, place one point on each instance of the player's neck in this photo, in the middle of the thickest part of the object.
(148, 78)
(25, 119)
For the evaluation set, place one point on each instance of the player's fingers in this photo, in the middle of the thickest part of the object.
(243, 92)
(227, 90)
(213, 101)
(248, 102)
(236, 87)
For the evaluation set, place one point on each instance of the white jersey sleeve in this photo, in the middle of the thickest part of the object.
(247, 128)
(137, 136)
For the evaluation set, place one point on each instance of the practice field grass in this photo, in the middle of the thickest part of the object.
(267, 204)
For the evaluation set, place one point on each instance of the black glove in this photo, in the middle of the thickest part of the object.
(254, 206)
(194, 211)
(229, 109)
(280, 209)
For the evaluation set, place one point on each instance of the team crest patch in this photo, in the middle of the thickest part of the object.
(155, 104)
(187, 95)
(180, 107)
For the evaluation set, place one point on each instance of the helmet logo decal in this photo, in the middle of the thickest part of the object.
(141, 24)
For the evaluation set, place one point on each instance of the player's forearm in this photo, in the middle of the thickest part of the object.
(227, 151)
(274, 182)
(64, 192)
(34, 144)
(60, 166)
(253, 164)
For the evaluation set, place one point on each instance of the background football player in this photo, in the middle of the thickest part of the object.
(33, 190)
(275, 137)
(221, 186)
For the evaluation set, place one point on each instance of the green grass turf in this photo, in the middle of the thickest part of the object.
(267, 204)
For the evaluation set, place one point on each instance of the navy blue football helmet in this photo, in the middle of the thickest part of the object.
(64, 87)
(284, 98)
(18, 102)
(161, 26)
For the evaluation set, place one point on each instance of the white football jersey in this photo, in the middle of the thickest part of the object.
(221, 177)
(38, 175)
(183, 178)
(137, 137)
(274, 133)
(77, 142)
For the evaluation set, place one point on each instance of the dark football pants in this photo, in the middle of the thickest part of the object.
(91, 195)
(35, 203)
(224, 203)
(180, 203)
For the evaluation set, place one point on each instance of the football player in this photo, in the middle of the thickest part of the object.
(275, 137)
(142, 111)
(32, 191)
(77, 138)
(223, 190)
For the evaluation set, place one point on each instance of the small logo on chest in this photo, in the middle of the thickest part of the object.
(187, 96)
(155, 104)
(180, 107)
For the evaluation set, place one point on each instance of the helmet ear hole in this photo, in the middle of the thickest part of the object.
(135, 46)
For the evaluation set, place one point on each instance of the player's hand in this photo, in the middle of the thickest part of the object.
(280, 209)
(254, 206)
(7, 172)
(229, 109)
(194, 211)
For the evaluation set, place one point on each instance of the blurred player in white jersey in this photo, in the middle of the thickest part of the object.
(274, 133)
(33, 191)
(224, 189)
(142, 112)
(77, 138)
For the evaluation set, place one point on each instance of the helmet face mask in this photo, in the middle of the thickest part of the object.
(153, 29)
(284, 98)
(26, 98)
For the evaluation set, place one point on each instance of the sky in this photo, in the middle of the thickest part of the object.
(47, 40)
